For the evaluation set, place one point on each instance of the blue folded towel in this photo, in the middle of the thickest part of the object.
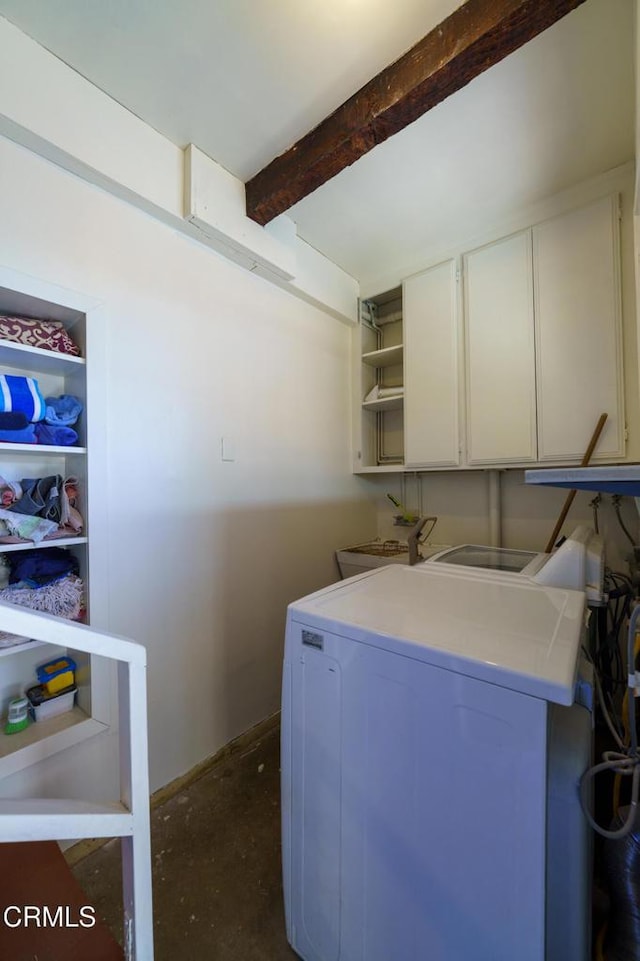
(21, 394)
(56, 436)
(26, 436)
(63, 411)
(13, 420)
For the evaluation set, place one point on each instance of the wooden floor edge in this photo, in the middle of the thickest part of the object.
(240, 745)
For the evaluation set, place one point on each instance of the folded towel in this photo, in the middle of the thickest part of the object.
(21, 394)
(10, 492)
(26, 527)
(62, 597)
(26, 436)
(63, 411)
(44, 496)
(56, 436)
(13, 420)
(41, 565)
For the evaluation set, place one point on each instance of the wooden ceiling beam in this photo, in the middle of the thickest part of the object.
(473, 38)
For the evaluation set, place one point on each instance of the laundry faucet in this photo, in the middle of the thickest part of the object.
(414, 535)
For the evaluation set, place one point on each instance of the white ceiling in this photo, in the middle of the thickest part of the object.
(244, 79)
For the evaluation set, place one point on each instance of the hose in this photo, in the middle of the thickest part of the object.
(621, 865)
(625, 762)
(616, 507)
(621, 764)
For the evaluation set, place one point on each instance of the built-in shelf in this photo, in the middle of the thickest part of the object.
(386, 357)
(45, 738)
(53, 542)
(40, 449)
(57, 374)
(36, 359)
(385, 315)
(384, 403)
(26, 645)
(381, 469)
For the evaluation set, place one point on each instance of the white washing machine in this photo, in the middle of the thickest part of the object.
(431, 748)
(578, 563)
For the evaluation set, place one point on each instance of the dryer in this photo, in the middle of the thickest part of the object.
(431, 746)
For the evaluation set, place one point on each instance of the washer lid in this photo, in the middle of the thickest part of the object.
(498, 627)
(490, 558)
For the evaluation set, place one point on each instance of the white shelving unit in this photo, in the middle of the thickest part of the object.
(107, 665)
(37, 818)
(379, 440)
(56, 374)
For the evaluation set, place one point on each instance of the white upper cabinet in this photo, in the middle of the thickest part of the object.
(431, 412)
(499, 342)
(512, 366)
(578, 331)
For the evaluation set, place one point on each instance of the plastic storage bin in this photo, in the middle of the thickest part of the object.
(42, 705)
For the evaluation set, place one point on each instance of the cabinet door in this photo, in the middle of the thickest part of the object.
(431, 431)
(500, 359)
(578, 335)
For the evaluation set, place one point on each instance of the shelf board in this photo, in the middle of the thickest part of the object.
(36, 359)
(42, 818)
(386, 357)
(53, 542)
(380, 469)
(384, 403)
(26, 645)
(40, 449)
(616, 479)
(43, 739)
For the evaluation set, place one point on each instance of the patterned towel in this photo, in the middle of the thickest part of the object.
(24, 526)
(21, 394)
(62, 598)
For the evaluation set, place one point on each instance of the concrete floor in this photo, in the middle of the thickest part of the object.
(217, 887)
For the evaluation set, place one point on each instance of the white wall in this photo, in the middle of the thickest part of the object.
(100, 141)
(529, 513)
(203, 556)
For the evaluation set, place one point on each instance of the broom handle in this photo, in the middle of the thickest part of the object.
(569, 501)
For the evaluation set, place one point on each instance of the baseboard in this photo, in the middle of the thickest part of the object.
(238, 746)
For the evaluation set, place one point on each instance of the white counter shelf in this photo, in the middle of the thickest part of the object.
(615, 479)
(385, 357)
